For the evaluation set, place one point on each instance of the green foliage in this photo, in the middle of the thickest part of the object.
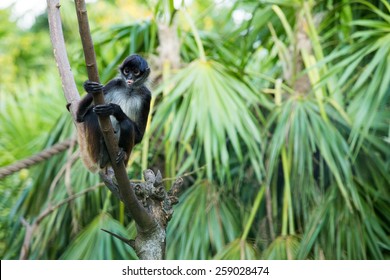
(220, 123)
(120, 40)
(23, 106)
(281, 117)
(282, 248)
(238, 250)
(92, 244)
(204, 209)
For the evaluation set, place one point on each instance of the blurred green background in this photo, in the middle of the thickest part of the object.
(279, 110)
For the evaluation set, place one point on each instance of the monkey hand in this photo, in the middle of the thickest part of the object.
(107, 109)
(92, 87)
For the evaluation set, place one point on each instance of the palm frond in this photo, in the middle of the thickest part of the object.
(202, 209)
(238, 250)
(94, 244)
(211, 108)
(282, 248)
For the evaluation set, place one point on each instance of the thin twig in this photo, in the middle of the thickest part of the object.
(184, 175)
(123, 239)
(50, 209)
(30, 228)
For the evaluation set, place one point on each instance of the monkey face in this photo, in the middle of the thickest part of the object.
(134, 70)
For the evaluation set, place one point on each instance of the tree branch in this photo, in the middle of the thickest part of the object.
(57, 39)
(153, 214)
(137, 212)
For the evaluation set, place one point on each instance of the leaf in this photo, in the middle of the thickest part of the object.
(282, 248)
(94, 244)
(238, 250)
(204, 210)
(211, 106)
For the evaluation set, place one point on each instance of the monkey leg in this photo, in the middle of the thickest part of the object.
(126, 129)
(104, 158)
(126, 140)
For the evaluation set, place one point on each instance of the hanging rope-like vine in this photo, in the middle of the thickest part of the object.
(37, 158)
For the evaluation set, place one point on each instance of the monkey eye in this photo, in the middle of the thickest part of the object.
(136, 72)
(126, 71)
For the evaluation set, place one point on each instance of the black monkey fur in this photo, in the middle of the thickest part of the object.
(127, 103)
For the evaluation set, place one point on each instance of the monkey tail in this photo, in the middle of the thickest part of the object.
(87, 156)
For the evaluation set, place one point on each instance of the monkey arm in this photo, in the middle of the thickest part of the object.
(128, 129)
(90, 88)
(83, 107)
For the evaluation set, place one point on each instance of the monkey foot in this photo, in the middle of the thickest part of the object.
(121, 156)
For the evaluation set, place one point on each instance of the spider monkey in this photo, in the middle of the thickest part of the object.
(127, 103)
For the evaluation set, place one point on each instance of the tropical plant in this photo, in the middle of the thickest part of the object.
(277, 117)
